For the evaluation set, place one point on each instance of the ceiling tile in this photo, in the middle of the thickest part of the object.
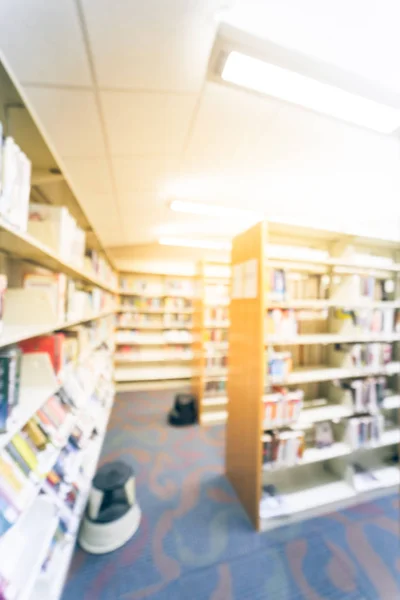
(140, 123)
(151, 45)
(369, 42)
(90, 176)
(103, 215)
(150, 173)
(42, 42)
(69, 120)
(230, 124)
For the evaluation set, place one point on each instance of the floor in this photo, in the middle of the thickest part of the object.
(195, 542)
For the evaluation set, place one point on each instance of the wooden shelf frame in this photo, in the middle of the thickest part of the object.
(248, 379)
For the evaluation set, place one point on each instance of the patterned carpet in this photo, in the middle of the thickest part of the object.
(195, 542)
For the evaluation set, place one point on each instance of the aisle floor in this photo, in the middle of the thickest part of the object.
(195, 542)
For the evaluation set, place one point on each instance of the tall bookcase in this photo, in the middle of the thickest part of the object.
(313, 371)
(83, 373)
(210, 347)
(154, 330)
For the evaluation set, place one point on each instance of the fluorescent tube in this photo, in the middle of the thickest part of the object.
(269, 79)
(195, 243)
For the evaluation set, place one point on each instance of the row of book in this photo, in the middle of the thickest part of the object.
(166, 304)
(282, 407)
(362, 431)
(215, 362)
(378, 320)
(367, 394)
(215, 386)
(169, 320)
(47, 457)
(59, 297)
(361, 355)
(216, 335)
(282, 448)
(158, 287)
(286, 323)
(287, 285)
(171, 353)
(22, 460)
(216, 314)
(64, 349)
(55, 227)
(15, 183)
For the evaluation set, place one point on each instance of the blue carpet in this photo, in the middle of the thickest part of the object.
(195, 542)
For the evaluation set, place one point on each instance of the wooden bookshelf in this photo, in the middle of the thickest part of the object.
(211, 319)
(155, 329)
(331, 330)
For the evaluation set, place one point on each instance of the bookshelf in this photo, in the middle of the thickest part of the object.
(211, 323)
(313, 372)
(154, 335)
(57, 332)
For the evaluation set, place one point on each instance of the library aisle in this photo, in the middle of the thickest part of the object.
(195, 540)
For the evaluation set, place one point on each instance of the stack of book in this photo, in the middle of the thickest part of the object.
(57, 228)
(372, 355)
(10, 373)
(15, 183)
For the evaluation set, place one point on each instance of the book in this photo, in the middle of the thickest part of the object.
(52, 344)
(10, 371)
(55, 284)
(25, 451)
(3, 289)
(12, 480)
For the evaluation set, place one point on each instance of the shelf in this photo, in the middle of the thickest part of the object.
(214, 418)
(26, 247)
(384, 266)
(391, 402)
(16, 334)
(212, 401)
(150, 296)
(325, 304)
(25, 546)
(216, 324)
(325, 373)
(152, 374)
(214, 345)
(124, 357)
(331, 338)
(314, 455)
(154, 311)
(161, 327)
(49, 585)
(329, 412)
(384, 477)
(156, 342)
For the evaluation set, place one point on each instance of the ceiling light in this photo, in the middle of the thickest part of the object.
(213, 210)
(279, 82)
(195, 243)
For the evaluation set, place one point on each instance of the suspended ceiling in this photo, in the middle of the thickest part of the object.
(120, 92)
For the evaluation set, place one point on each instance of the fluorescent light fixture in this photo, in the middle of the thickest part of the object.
(195, 243)
(212, 210)
(272, 80)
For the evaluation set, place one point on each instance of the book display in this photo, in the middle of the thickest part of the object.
(313, 371)
(57, 324)
(211, 327)
(154, 329)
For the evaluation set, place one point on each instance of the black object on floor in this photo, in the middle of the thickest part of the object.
(184, 411)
